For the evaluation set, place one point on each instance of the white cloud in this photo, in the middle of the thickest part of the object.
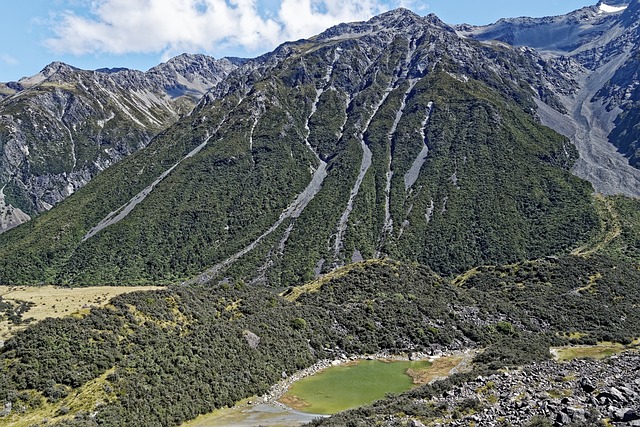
(174, 26)
(8, 59)
(304, 18)
(418, 6)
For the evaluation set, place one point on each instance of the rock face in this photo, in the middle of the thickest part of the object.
(595, 47)
(61, 127)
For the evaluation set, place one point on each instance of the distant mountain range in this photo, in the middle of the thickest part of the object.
(597, 49)
(400, 136)
(61, 127)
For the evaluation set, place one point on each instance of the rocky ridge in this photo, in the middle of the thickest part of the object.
(61, 127)
(593, 47)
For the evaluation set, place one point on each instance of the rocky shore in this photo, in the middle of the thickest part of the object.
(580, 392)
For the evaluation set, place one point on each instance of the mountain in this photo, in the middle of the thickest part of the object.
(596, 47)
(61, 127)
(391, 137)
(387, 186)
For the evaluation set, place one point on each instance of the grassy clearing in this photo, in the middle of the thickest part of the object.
(459, 280)
(51, 301)
(440, 368)
(590, 286)
(575, 335)
(599, 351)
(86, 398)
(610, 227)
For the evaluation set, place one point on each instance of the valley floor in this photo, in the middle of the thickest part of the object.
(51, 301)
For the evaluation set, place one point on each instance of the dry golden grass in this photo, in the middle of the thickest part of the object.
(575, 335)
(51, 301)
(459, 280)
(610, 227)
(600, 351)
(440, 368)
(294, 402)
(84, 399)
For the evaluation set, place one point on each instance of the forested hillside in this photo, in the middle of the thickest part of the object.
(351, 145)
(162, 357)
(383, 187)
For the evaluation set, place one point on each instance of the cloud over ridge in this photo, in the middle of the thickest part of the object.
(174, 26)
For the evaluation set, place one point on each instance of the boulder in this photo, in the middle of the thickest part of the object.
(625, 415)
(562, 419)
(586, 385)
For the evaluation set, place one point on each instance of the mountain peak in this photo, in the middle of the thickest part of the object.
(404, 18)
(56, 67)
(400, 19)
(53, 68)
(398, 13)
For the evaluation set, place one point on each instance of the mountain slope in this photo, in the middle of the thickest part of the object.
(61, 127)
(596, 47)
(160, 357)
(388, 137)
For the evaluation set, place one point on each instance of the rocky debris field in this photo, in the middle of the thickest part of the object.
(580, 392)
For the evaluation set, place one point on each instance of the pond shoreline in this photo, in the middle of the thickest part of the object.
(268, 411)
(279, 389)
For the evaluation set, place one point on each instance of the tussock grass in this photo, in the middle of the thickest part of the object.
(51, 301)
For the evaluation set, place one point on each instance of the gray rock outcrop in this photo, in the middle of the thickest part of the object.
(61, 127)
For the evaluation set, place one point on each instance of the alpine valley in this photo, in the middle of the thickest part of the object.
(394, 186)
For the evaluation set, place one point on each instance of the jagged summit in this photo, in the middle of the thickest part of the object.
(112, 70)
(55, 68)
(397, 20)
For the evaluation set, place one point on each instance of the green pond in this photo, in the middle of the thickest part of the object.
(342, 387)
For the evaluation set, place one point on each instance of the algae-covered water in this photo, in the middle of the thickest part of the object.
(350, 385)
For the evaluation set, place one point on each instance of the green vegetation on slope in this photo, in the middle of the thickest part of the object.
(495, 187)
(173, 354)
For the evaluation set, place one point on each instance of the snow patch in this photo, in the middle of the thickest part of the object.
(605, 8)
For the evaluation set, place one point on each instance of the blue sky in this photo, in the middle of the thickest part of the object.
(139, 34)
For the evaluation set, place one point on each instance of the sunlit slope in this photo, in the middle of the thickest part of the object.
(391, 137)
